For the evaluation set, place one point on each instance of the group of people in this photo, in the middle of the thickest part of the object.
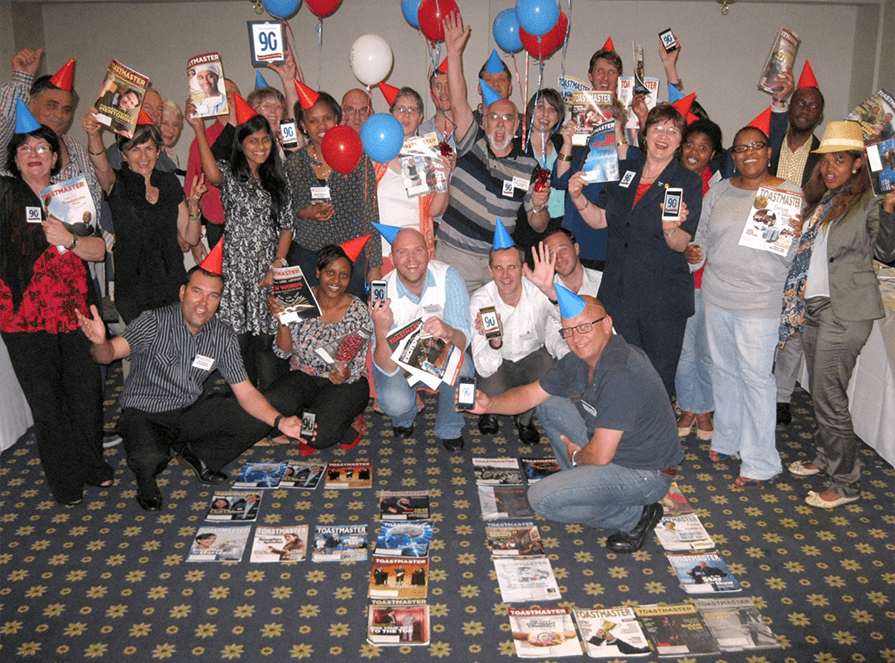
(505, 264)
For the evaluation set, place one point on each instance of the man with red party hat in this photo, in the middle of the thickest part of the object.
(174, 349)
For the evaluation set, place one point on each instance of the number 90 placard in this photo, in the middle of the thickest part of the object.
(266, 43)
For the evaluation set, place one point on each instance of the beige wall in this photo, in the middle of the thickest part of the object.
(721, 59)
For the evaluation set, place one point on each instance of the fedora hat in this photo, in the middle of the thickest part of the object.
(841, 137)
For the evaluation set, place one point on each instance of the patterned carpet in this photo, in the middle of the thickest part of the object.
(107, 581)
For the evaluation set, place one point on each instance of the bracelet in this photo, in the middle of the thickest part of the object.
(282, 261)
(538, 210)
(195, 217)
(779, 101)
(671, 233)
(575, 457)
(97, 154)
(74, 243)
(276, 422)
(563, 157)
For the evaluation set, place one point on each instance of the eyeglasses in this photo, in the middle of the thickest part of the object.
(751, 147)
(348, 110)
(583, 328)
(658, 129)
(410, 110)
(506, 117)
(39, 150)
(271, 108)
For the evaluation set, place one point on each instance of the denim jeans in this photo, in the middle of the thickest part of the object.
(745, 390)
(397, 399)
(599, 496)
(693, 382)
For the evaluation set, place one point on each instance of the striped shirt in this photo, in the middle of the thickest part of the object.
(163, 352)
(484, 187)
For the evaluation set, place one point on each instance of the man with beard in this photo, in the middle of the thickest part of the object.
(493, 177)
(556, 261)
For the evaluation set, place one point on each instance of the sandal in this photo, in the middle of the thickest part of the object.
(801, 468)
(746, 482)
(718, 457)
(814, 499)
(704, 434)
(683, 429)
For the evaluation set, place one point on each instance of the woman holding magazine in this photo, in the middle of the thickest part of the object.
(336, 392)
(741, 290)
(256, 236)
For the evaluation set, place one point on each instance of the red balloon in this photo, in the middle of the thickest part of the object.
(342, 148)
(323, 8)
(430, 15)
(544, 46)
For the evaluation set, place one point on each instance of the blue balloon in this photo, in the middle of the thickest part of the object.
(281, 9)
(410, 8)
(382, 136)
(537, 17)
(506, 31)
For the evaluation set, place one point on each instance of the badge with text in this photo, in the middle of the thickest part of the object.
(32, 214)
(508, 188)
(520, 183)
(203, 363)
(626, 180)
(320, 194)
(266, 43)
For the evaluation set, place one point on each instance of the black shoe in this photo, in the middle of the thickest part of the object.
(784, 416)
(403, 431)
(151, 503)
(528, 434)
(488, 424)
(200, 469)
(453, 444)
(629, 542)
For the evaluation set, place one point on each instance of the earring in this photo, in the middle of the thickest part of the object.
(854, 171)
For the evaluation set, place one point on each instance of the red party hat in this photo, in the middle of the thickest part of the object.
(214, 261)
(306, 95)
(609, 46)
(390, 92)
(684, 104)
(691, 118)
(762, 121)
(442, 68)
(143, 118)
(353, 247)
(64, 78)
(807, 78)
(244, 112)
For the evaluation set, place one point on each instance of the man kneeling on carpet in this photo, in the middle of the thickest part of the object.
(174, 349)
(610, 424)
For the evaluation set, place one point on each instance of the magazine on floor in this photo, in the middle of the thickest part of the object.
(675, 503)
(292, 291)
(305, 476)
(404, 505)
(736, 623)
(780, 59)
(611, 632)
(544, 632)
(703, 572)
(399, 578)
(676, 629)
(280, 543)
(70, 202)
(497, 471)
(260, 475)
(876, 115)
(683, 533)
(400, 539)
(234, 505)
(536, 469)
(340, 543)
(393, 622)
(526, 579)
(344, 475)
(767, 226)
(120, 99)
(219, 543)
(501, 502)
(514, 538)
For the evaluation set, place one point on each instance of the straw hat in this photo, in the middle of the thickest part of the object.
(841, 137)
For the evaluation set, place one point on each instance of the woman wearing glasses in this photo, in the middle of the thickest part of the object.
(741, 288)
(647, 287)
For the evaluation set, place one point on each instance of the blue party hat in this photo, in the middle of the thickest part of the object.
(570, 304)
(489, 96)
(260, 83)
(674, 94)
(25, 122)
(494, 65)
(389, 232)
(502, 239)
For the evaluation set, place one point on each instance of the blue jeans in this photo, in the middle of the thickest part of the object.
(742, 350)
(599, 496)
(693, 382)
(397, 399)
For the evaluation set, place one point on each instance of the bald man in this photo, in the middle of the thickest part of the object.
(356, 108)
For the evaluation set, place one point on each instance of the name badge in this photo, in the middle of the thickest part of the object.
(508, 188)
(432, 311)
(591, 410)
(520, 183)
(203, 363)
(627, 179)
(32, 214)
(320, 193)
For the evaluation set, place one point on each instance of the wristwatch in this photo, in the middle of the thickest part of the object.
(74, 243)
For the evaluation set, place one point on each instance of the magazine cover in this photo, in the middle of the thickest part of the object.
(206, 80)
(736, 624)
(399, 578)
(683, 533)
(219, 543)
(881, 164)
(260, 475)
(767, 227)
(120, 99)
(676, 629)
(394, 622)
(514, 539)
(293, 292)
(526, 579)
(500, 502)
(601, 163)
(536, 469)
(567, 87)
(70, 202)
(590, 109)
(428, 359)
(340, 543)
(639, 71)
(496, 471)
(543, 632)
(422, 171)
(306, 476)
(345, 348)
(780, 59)
(344, 475)
(235, 505)
(404, 539)
(703, 572)
(404, 504)
(876, 115)
(610, 632)
(674, 503)
(626, 97)
(283, 543)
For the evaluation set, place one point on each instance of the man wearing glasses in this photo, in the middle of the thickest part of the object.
(610, 424)
(356, 108)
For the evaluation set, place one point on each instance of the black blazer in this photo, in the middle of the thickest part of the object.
(779, 127)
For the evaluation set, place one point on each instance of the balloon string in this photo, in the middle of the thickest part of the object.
(565, 43)
(525, 96)
(319, 50)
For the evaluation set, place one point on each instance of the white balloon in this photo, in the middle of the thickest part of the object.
(371, 59)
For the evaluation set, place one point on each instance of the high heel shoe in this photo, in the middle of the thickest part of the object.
(684, 430)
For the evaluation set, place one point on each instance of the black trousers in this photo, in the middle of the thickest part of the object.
(660, 338)
(215, 427)
(63, 386)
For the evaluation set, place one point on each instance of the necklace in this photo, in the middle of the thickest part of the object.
(316, 159)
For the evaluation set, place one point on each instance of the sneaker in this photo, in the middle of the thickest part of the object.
(111, 440)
